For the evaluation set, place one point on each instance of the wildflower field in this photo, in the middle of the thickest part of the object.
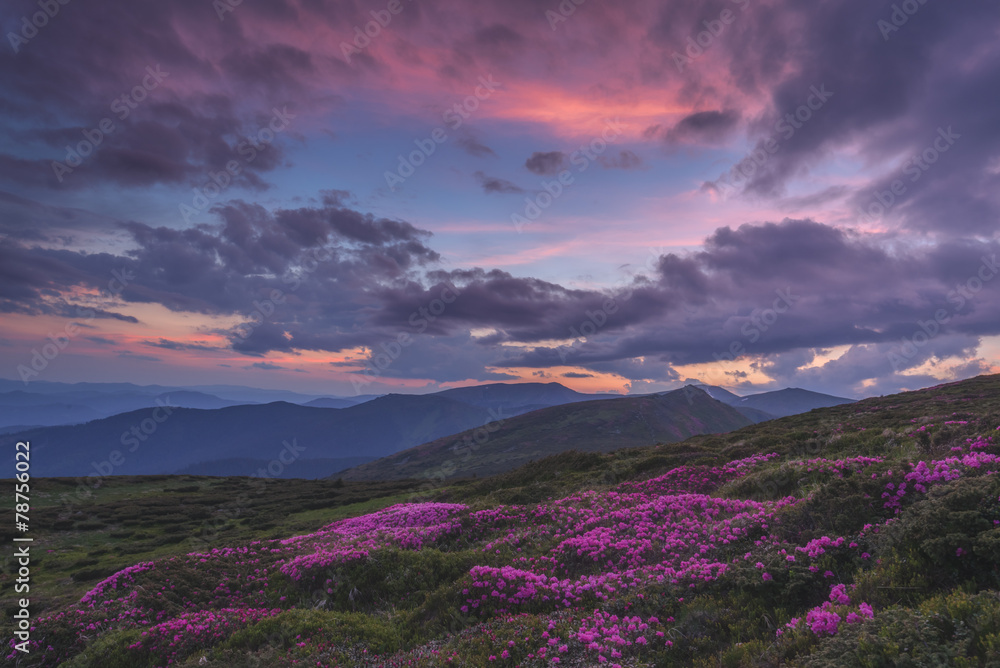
(861, 535)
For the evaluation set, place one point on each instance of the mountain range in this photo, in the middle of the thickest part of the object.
(601, 425)
(780, 403)
(187, 437)
(210, 434)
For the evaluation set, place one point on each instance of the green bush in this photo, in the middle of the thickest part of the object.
(959, 630)
(952, 534)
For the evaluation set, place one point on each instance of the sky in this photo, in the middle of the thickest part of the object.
(357, 197)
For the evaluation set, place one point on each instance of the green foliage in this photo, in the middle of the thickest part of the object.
(955, 630)
(111, 651)
(291, 627)
(386, 580)
(836, 506)
(951, 534)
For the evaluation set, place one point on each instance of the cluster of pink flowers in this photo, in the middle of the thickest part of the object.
(297, 567)
(405, 525)
(611, 542)
(925, 475)
(980, 443)
(408, 526)
(607, 635)
(122, 577)
(175, 639)
(697, 479)
(826, 619)
(818, 546)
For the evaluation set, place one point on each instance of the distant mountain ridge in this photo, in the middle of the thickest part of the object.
(151, 442)
(519, 398)
(45, 404)
(43, 410)
(780, 403)
(594, 426)
(235, 393)
(209, 433)
(720, 393)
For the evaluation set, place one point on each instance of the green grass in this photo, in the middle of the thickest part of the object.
(80, 540)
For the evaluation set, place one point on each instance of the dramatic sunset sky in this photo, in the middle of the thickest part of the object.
(610, 206)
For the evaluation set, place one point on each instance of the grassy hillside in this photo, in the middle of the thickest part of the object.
(84, 533)
(594, 426)
(860, 535)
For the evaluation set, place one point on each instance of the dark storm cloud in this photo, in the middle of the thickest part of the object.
(39, 281)
(551, 162)
(894, 88)
(493, 184)
(325, 261)
(474, 147)
(448, 358)
(703, 127)
(835, 288)
(332, 279)
(162, 143)
(85, 66)
(102, 341)
(498, 35)
(178, 345)
(266, 366)
(521, 309)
